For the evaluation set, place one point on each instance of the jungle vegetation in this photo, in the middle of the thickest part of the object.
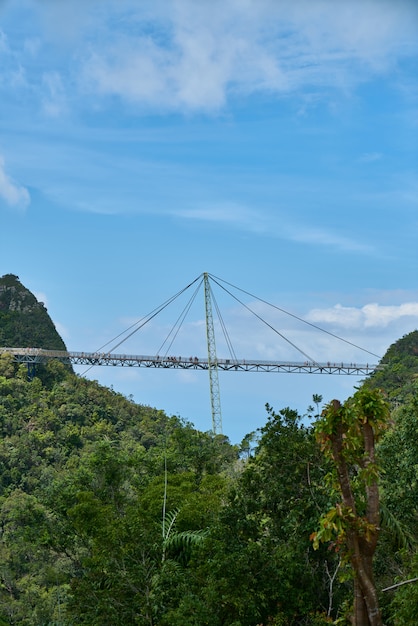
(114, 513)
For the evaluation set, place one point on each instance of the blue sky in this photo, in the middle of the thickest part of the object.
(270, 143)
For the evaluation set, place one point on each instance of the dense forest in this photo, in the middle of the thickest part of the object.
(113, 513)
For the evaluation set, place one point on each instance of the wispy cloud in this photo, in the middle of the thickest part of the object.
(13, 194)
(228, 214)
(330, 239)
(54, 97)
(273, 225)
(195, 56)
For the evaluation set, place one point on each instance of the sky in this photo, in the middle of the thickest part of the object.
(270, 143)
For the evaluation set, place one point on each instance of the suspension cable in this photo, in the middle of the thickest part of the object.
(179, 321)
(143, 321)
(223, 326)
(136, 326)
(149, 317)
(267, 323)
(292, 315)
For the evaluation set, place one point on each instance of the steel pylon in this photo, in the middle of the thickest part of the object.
(215, 396)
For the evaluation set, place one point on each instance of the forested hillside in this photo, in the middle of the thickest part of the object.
(24, 322)
(113, 513)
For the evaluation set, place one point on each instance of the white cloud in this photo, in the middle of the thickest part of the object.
(370, 316)
(357, 335)
(352, 334)
(191, 56)
(13, 194)
(188, 55)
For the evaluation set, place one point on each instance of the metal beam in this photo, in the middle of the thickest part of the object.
(38, 355)
(215, 395)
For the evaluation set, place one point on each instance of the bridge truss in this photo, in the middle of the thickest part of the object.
(37, 356)
(34, 356)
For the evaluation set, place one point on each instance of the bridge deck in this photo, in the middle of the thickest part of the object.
(37, 355)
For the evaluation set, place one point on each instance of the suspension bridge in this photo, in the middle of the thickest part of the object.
(37, 356)
(212, 364)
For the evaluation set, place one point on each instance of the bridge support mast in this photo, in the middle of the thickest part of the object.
(215, 396)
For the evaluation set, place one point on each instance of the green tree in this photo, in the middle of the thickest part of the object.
(257, 565)
(348, 435)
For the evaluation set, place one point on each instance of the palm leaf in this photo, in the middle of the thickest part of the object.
(399, 533)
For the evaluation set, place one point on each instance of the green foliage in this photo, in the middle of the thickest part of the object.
(257, 563)
(397, 550)
(7, 366)
(82, 473)
(348, 434)
(399, 453)
(115, 513)
(404, 607)
(24, 322)
(400, 369)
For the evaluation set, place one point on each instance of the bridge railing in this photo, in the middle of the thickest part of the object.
(40, 355)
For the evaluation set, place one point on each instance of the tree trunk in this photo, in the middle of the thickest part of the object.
(368, 589)
(366, 607)
(360, 610)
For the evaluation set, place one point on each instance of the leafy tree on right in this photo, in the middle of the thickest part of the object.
(347, 435)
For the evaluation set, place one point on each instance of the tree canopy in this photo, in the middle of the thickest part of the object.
(113, 512)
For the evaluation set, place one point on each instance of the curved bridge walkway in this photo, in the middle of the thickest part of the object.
(37, 355)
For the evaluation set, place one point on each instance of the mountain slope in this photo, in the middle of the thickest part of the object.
(401, 368)
(24, 322)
